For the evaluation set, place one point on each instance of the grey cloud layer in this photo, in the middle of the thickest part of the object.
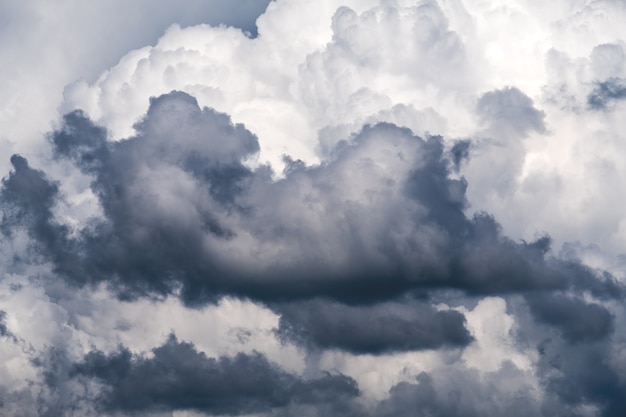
(178, 377)
(182, 211)
(383, 328)
(350, 253)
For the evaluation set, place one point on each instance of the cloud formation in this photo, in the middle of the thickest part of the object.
(606, 92)
(349, 253)
(384, 328)
(35, 40)
(369, 209)
(178, 377)
(183, 212)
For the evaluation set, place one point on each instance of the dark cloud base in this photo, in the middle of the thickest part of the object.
(348, 253)
(178, 377)
(383, 328)
(405, 231)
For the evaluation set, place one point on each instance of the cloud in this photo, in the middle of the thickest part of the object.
(577, 320)
(183, 212)
(366, 206)
(510, 112)
(383, 328)
(323, 86)
(376, 235)
(3, 328)
(583, 377)
(29, 197)
(463, 393)
(301, 83)
(577, 373)
(35, 65)
(606, 92)
(178, 377)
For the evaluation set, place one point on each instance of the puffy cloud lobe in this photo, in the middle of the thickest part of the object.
(321, 79)
(382, 328)
(178, 377)
(394, 40)
(128, 180)
(507, 117)
(578, 362)
(510, 112)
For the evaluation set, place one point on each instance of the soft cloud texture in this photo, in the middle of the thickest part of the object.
(373, 208)
(177, 376)
(181, 214)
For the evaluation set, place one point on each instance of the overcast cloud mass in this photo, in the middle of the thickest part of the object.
(373, 208)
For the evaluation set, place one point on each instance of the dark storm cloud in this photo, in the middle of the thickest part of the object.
(580, 375)
(383, 328)
(577, 320)
(27, 197)
(577, 364)
(138, 242)
(607, 92)
(379, 219)
(81, 141)
(178, 377)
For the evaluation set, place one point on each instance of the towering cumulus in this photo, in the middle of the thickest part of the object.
(348, 208)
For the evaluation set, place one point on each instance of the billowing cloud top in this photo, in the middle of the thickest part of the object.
(369, 209)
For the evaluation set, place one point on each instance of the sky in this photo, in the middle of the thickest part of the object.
(261, 208)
